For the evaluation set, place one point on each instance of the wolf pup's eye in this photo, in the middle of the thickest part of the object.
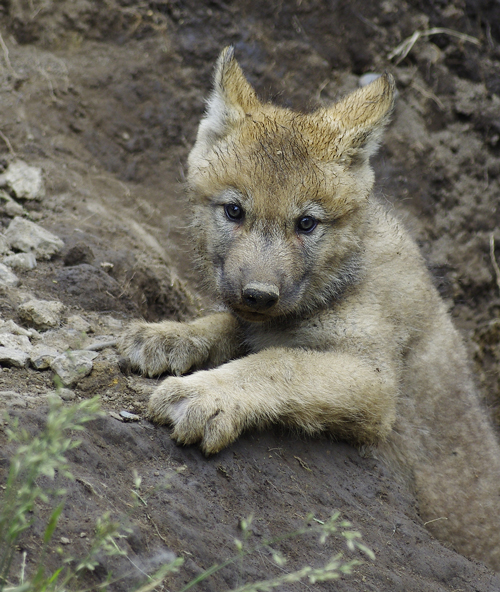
(233, 212)
(307, 224)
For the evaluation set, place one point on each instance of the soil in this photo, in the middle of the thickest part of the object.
(105, 97)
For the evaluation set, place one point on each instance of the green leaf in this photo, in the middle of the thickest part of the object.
(54, 518)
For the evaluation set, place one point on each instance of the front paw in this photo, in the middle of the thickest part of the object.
(210, 418)
(155, 348)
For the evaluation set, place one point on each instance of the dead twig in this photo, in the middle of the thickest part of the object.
(156, 528)
(428, 95)
(404, 48)
(6, 58)
(88, 486)
(303, 464)
(7, 141)
(99, 345)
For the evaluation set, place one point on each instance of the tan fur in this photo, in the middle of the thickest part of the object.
(336, 329)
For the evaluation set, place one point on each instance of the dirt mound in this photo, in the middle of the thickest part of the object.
(105, 97)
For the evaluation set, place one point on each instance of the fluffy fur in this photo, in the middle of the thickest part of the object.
(332, 320)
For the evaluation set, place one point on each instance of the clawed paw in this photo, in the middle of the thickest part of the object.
(196, 415)
(155, 348)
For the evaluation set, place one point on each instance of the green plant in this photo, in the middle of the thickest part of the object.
(335, 567)
(44, 455)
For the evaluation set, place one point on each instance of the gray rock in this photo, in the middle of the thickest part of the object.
(58, 339)
(10, 356)
(42, 314)
(89, 287)
(72, 366)
(23, 180)
(64, 393)
(65, 338)
(21, 261)
(15, 341)
(42, 356)
(12, 399)
(26, 236)
(8, 279)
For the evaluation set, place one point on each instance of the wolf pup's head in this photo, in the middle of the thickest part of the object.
(280, 197)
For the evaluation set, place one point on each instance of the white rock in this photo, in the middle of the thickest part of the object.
(8, 278)
(57, 339)
(127, 416)
(42, 356)
(12, 209)
(74, 365)
(42, 314)
(15, 341)
(11, 327)
(21, 261)
(113, 325)
(78, 323)
(26, 236)
(368, 78)
(24, 180)
(10, 356)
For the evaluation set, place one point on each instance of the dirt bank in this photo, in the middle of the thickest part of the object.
(104, 97)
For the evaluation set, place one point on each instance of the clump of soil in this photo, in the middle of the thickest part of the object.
(105, 98)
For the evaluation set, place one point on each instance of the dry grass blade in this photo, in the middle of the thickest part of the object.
(404, 48)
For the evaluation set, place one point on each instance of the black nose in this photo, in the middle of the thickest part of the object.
(260, 296)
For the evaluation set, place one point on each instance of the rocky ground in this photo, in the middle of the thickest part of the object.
(99, 104)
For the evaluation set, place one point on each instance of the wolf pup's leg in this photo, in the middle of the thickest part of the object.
(313, 390)
(176, 348)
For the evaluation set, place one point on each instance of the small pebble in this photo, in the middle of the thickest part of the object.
(64, 393)
(127, 416)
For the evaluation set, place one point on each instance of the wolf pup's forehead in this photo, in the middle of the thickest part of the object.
(349, 129)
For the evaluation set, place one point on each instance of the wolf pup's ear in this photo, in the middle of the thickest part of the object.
(360, 118)
(231, 99)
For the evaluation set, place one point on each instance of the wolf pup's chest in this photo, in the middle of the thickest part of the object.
(320, 333)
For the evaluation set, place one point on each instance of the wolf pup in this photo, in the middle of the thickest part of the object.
(332, 322)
